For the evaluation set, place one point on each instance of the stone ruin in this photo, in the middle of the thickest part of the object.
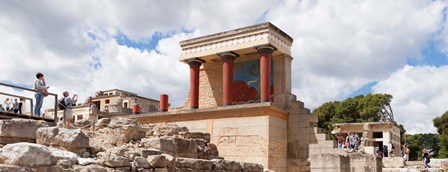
(115, 144)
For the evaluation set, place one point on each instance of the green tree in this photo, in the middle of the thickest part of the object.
(325, 114)
(418, 142)
(441, 123)
(357, 109)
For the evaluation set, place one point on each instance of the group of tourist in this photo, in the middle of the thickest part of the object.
(385, 150)
(66, 102)
(426, 155)
(351, 141)
(13, 106)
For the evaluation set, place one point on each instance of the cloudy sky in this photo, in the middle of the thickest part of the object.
(341, 48)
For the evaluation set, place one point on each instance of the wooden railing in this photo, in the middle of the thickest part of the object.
(32, 90)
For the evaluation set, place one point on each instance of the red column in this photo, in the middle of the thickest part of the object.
(163, 102)
(227, 71)
(194, 83)
(265, 72)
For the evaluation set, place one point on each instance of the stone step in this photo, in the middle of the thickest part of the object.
(328, 144)
(297, 105)
(322, 137)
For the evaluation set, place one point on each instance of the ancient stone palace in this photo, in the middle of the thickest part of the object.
(240, 93)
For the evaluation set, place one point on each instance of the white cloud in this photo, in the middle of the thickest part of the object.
(338, 45)
(341, 45)
(420, 94)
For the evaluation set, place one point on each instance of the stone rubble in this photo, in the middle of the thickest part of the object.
(117, 144)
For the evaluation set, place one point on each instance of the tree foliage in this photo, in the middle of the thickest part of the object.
(418, 142)
(441, 123)
(362, 108)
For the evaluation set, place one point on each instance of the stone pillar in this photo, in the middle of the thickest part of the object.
(194, 83)
(265, 72)
(227, 72)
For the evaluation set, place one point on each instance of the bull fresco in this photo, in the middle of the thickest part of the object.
(246, 81)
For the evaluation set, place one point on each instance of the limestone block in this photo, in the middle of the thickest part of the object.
(33, 155)
(252, 167)
(140, 162)
(86, 161)
(19, 130)
(115, 158)
(159, 143)
(329, 162)
(195, 135)
(166, 130)
(158, 161)
(103, 122)
(194, 164)
(227, 165)
(365, 162)
(146, 152)
(114, 122)
(69, 139)
(395, 162)
(184, 146)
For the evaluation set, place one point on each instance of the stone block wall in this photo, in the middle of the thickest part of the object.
(301, 133)
(329, 163)
(210, 87)
(260, 139)
(278, 136)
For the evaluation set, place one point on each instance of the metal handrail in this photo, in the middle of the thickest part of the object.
(17, 96)
(33, 90)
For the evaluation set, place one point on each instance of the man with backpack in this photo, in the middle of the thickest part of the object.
(66, 103)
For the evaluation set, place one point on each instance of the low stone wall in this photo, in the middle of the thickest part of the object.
(329, 162)
(395, 162)
(345, 163)
(19, 130)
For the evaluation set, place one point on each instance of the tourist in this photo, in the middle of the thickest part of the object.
(406, 152)
(357, 142)
(340, 140)
(68, 104)
(378, 152)
(391, 149)
(8, 104)
(22, 107)
(1, 108)
(352, 140)
(15, 106)
(41, 92)
(347, 143)
(426, 158)
(385, 151)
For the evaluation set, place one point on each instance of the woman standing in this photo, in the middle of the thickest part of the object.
(8, 104)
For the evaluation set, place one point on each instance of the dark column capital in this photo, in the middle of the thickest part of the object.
(194, 63)
(265, 49)
(228, 56)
